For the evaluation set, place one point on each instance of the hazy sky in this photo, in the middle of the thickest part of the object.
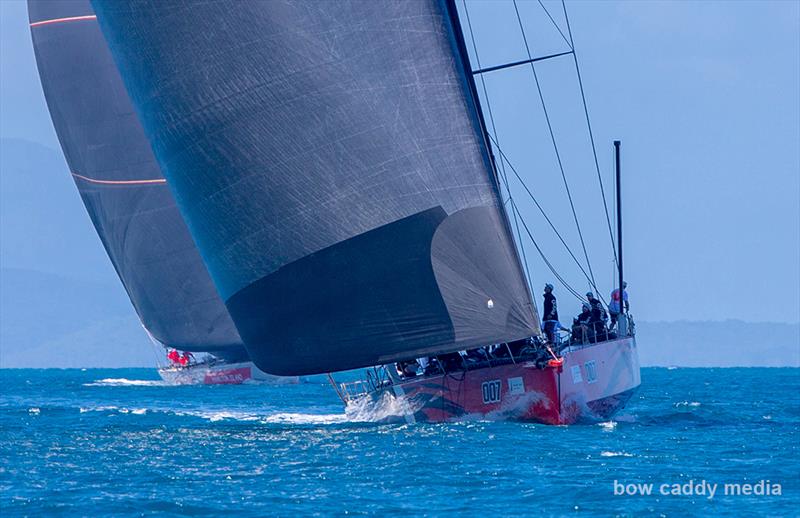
(705, 97)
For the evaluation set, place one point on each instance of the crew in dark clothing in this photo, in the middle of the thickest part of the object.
(581, 330)
(585, 315)
(407, 368)
(598, 317)
(433, 367)
(477, 355)
(451, 362)
(576, 335)
(551, 324)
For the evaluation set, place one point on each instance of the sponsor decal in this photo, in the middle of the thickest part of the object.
(576, 374)
(227, 376)
(516, 386)
(490, 390)
(591, 371)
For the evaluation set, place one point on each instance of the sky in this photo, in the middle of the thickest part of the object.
(705, 97)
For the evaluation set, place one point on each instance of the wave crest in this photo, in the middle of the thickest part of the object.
(125, 382)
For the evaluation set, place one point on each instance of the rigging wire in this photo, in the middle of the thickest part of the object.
(542, 211)
(544, 258)
(556, 25)
(154, 343)
(589, 126)
(502, 164)
(555, 145)
(516, 214)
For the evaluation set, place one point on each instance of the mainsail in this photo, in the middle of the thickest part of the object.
(121, 184)
(331, 163)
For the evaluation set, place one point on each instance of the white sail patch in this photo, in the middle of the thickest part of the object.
(516, 386)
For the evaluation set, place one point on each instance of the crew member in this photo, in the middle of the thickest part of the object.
(407, 369)
(551, 324)
(585, 315)
(581, 332)
(598, 317)
(174, 357)
(614, 306)
(187, 358)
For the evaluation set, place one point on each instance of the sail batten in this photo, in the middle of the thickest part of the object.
(331, 164)
(121, 185)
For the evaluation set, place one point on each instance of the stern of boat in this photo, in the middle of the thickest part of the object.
(599, 379)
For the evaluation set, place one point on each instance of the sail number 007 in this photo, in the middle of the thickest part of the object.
(491, 391)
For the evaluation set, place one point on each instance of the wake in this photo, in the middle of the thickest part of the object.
(124, 382)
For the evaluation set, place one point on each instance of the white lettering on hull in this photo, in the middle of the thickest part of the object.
(576, 374)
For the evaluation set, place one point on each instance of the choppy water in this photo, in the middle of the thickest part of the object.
(99, 442)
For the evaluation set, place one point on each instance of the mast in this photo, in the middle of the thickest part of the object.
(619, 227)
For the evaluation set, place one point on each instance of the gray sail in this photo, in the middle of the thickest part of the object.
(330, 162)
(121, 184)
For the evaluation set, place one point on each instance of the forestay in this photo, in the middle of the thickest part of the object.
(330, 160)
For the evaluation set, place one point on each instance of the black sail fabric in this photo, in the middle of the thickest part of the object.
(121, 183)
(330, 161)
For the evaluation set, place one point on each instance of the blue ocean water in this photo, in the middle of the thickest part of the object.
(97, 442)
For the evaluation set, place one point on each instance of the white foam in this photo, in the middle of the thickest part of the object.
(109, 408)
(608, 426)
(124, 382)
(218, 415)
(289, 418)
(134, 411)
(387, 406)
(279, 418)
(688, 403)
(615, 454)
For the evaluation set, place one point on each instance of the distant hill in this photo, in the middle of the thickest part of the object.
(43, 224)
(77, 315)
(49, 320)
(732, 343)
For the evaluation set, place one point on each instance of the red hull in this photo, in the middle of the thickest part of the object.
(594, 382)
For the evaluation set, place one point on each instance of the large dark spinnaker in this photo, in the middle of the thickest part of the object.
(121, 183)
(330, 162)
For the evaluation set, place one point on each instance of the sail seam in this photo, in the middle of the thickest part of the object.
(62, 20)
(120, 182)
